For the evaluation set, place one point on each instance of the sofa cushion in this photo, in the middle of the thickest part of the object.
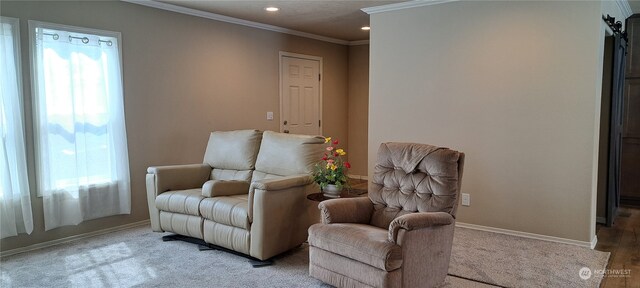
(288, 154)
(182, 224)
(214, 188)
(340, 271)
(227, 210)
(234, 238)
(229, 174)
(257, 176)
(367, 244)
(235, 150)
(180, 201)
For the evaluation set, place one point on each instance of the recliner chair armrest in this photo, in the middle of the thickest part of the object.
(277, 184)
(415, 221)
(347, 210)
(161, 179)
(213, 188)
(282, 183)
(178, 177)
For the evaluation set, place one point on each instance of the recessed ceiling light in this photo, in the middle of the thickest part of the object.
(366, 28)
(272, 9)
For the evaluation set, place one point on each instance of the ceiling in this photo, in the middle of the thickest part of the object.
(336, 19)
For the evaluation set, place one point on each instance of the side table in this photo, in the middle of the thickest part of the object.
(346, 193)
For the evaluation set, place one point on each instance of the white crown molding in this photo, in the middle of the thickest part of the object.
(359, 42)
(227, 19)
(403, 5)
(589, 244)
(625, 8)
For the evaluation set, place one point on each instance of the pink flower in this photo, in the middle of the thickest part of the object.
(330, 161)
(330, 148)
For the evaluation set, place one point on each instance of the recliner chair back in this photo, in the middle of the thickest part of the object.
(233, 154)
(412, 178)
(287, 154)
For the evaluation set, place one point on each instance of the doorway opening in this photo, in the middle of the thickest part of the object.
(605, 121)
(610, 146)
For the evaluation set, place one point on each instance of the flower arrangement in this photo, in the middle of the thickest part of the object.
(332, 169)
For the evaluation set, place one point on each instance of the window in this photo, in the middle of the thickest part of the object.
(81, 147)
(15, 198)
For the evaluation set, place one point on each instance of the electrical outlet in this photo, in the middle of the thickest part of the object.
(270, 116)
(466, 199)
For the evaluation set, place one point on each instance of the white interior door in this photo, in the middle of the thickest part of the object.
(300, 96)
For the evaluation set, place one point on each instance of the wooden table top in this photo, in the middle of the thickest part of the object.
(346, 193)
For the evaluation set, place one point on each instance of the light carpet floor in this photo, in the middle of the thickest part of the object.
(137, 257)
(512, 261)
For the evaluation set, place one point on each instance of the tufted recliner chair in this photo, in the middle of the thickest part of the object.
(401, 235)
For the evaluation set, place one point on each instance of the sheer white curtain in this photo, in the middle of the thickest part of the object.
(15, 199)
(82, 159)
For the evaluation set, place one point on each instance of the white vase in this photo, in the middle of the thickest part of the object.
(331, 191)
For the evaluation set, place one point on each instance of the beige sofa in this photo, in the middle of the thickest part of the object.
(248, 196)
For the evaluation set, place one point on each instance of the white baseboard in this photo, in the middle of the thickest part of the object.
(359, 177)
(590, 244)
(71, 238)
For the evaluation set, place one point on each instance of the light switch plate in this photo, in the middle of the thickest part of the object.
(466, 199)
(270, 116)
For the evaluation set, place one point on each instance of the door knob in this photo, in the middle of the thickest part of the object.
(286, 131)
(285, 122)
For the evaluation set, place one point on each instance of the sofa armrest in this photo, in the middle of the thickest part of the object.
(213, 188)
(291, 183)
(415, 221)
(178, 177)
(280, 214)
(347, 210)
(282, 183)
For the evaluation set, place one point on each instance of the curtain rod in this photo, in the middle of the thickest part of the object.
(616, 26)
(84, 40)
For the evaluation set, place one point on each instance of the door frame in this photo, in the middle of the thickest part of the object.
(283, 54)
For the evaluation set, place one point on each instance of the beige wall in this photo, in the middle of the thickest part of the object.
(358, 109)
(515, 85)
(183, 77)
